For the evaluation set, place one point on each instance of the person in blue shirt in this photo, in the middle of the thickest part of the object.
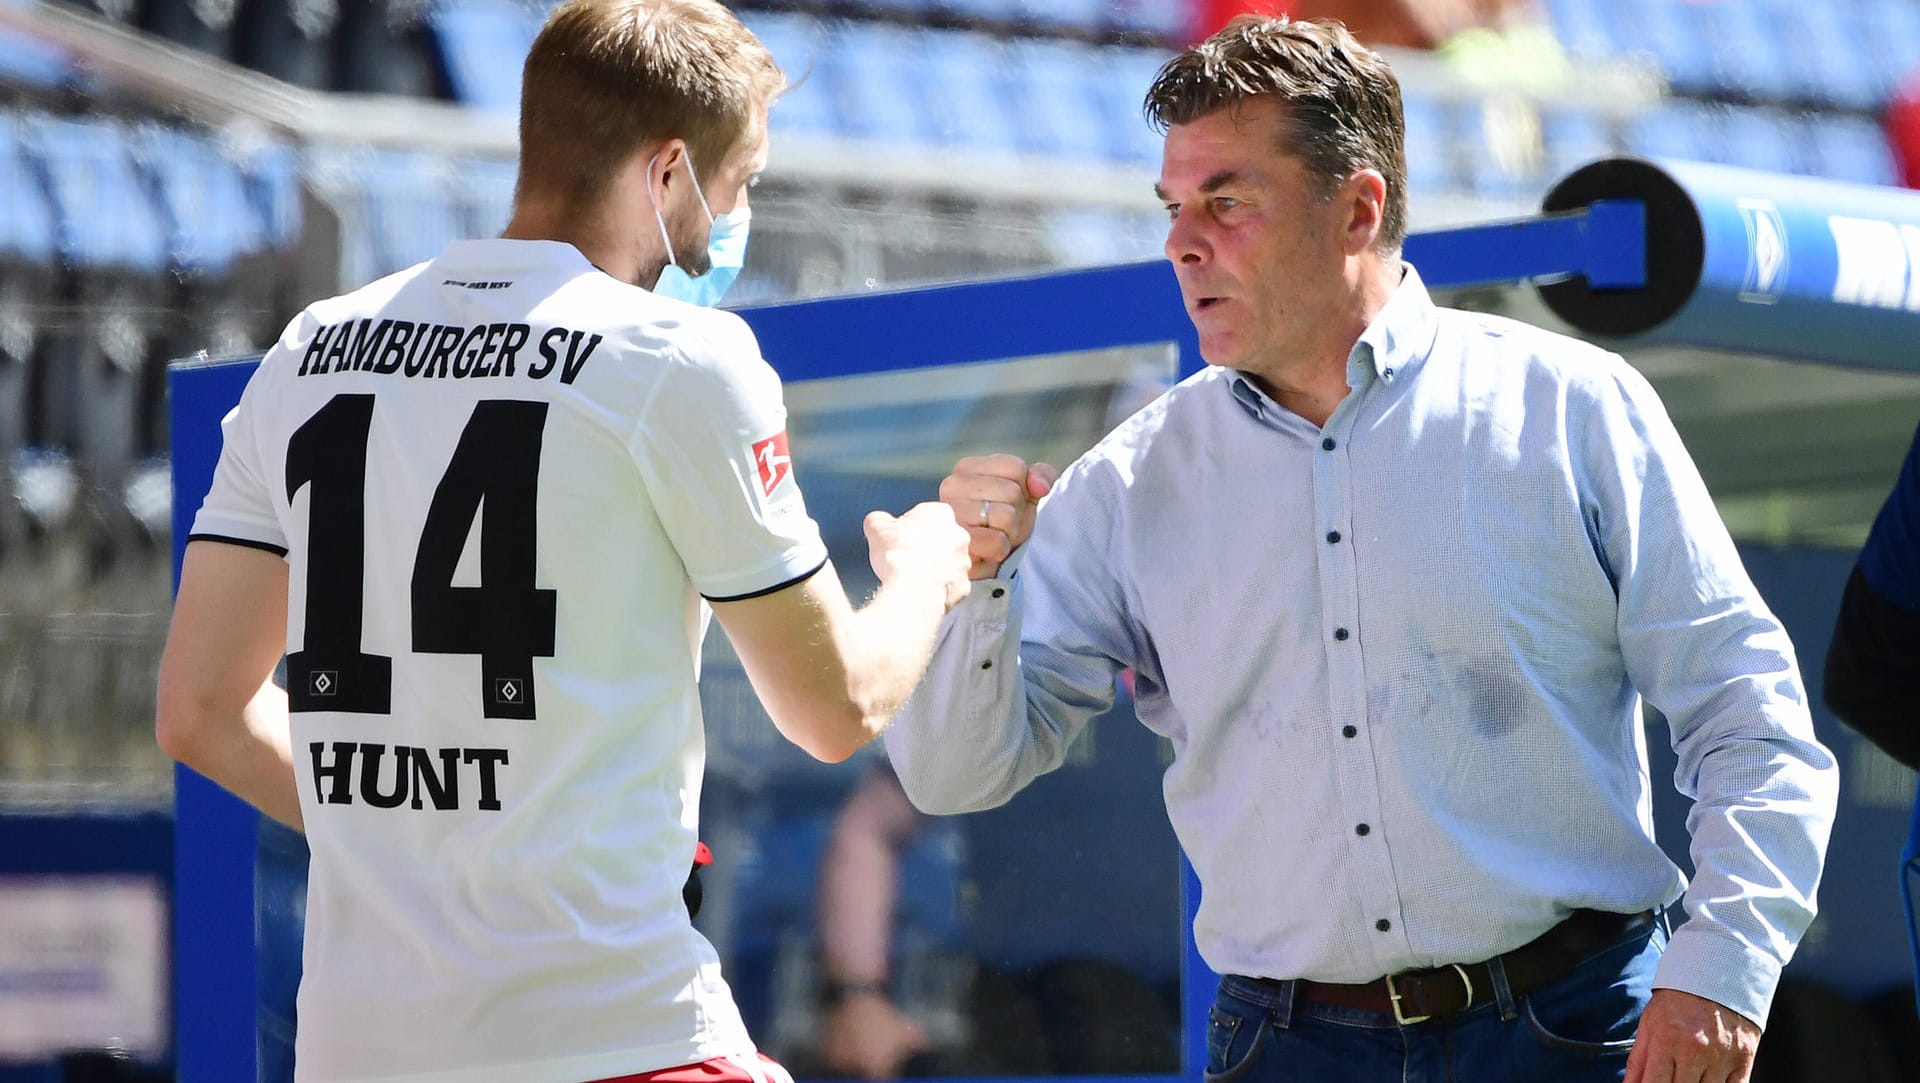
(1396, 581)
(1872, 680)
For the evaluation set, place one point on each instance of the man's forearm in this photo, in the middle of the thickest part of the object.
(250, 756)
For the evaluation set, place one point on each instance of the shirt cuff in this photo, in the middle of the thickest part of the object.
(1708, 963)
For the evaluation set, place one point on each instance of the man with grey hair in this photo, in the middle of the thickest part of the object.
(1395, 581)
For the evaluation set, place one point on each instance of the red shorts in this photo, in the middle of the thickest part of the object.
(758, 1068)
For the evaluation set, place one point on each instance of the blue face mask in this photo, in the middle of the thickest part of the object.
(726, 253)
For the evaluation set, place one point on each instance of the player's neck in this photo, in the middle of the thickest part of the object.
(627, 258)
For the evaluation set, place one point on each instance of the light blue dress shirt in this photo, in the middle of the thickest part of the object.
(1400, 660)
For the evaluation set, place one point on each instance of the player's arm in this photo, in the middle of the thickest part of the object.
(219, 712)
(831, 677)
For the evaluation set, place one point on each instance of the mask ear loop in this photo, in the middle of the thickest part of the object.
(660, 219)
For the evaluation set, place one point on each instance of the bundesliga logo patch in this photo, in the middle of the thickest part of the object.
(770, 455)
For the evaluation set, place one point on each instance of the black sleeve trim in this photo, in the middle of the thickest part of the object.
(775, 589)
(276, 550)
(1872, 680)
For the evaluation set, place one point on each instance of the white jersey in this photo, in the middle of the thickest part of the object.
(503, 482)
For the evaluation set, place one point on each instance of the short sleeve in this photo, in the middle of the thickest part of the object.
(239, 508)
(712, 446)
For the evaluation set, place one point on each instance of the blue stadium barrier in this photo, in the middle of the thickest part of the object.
(216, 981)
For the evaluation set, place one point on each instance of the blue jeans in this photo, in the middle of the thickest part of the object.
(1578, 1029)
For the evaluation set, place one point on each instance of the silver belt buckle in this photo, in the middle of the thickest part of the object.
(1393, 995)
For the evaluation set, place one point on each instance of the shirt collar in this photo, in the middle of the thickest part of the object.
(1390, 349)
(1401, 334)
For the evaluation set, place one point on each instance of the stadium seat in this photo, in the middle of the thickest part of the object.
(291, 40)
(1432, 140)
(411, 212)
(1058, 86)
(1673, 35)
(981, 10)
(1891, 32)
(272, 172)
(1825, 54)
(1155, 17)
(1083, 15)
(965, 77)
(1677, 129)
(1763, 139)
(1573, 137)
(1585, 28)
(484, 188)
(1747, 49)
(205, 27)
(203, 200)
(26, 215)
(797, 43)
(30, 62)
(1126, 76)
(386, 47)
(875, 73)
(1851, 149)
(104, 216)
(482, 42)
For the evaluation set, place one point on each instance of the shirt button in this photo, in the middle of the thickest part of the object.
(1388, 374)
(1349, 731)
(1383, 925)
(999, 592)
(1328, 444)
(1333, 537)
(1340, 634)
(1362, 830)
(988, 664)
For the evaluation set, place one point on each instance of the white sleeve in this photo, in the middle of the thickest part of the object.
(712, 448)
(240, 508)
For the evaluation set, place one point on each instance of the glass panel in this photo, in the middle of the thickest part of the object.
(1043, 937)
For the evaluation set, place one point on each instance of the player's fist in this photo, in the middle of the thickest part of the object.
(924, 542)
(995, 497)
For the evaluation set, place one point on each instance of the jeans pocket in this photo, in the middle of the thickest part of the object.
(1233, 1045)
(1562, 1036)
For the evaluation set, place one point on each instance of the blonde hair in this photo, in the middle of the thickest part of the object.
(606, 77)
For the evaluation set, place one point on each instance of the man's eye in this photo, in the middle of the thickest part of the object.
(1225, 203)
(1173, 210)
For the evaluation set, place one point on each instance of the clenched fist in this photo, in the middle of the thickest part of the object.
(925, 542)
(995, 497)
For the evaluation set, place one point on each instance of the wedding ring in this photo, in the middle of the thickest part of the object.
(986, 507)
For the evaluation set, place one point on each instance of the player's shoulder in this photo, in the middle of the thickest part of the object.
(362, 303)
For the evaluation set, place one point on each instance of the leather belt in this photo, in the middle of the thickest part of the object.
(1419, 995)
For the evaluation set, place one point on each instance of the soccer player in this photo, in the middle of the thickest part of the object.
(483, 508)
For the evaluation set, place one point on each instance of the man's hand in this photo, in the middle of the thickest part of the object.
(995, 497)
(1688, 1039)
(924, 542)
(866, 1037)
